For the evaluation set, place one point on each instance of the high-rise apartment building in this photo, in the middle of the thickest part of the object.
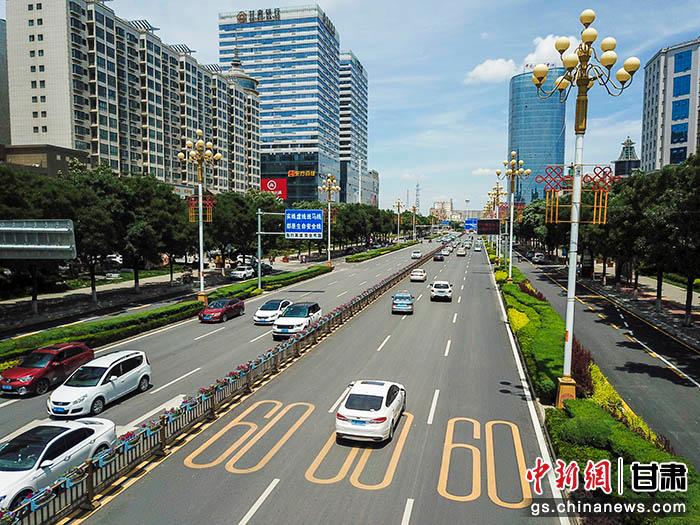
(4, 94)
(353, 129)
(294, 52)
(671, 106)
(83, 78)
(535, 130)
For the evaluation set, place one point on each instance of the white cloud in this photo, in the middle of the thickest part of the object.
(480, 172)
(491, 70)
(494, 70)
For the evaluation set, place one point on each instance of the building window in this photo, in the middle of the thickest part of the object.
(678, 155)
(31, 23)
(30, 7)
(35, 100)
(34, 87)
(40, 37)
(40, 21)
(44, 129)
(32, 69)
(41, 68)
(32, 54)
(31, 38)
(41, 52)
(42, 84)
(680, 109)
(681, 86)
(35, 129)
(35, 114)
(679, 133)
(42, 98)
(38, 6)
(43, 114)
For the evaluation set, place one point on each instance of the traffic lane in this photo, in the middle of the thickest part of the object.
(669, 403)
(187, 356)
(413, 358)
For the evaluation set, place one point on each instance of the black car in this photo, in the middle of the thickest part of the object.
(438, 257)
(530, 254)
(265, 269)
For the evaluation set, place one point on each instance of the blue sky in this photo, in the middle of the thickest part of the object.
(439, 75)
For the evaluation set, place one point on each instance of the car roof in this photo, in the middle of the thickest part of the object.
(55, 348)
(372, 387)
(441, 282)
(418, 270)
(110, 359)
(403, 292)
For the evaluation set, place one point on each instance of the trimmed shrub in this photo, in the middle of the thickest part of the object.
(581, 361)
(371, 254)
(517, 319)
(501, 276)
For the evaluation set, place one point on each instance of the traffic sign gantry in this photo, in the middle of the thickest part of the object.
(37, 240)
(303, 224)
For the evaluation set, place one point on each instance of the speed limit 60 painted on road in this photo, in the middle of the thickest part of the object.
(276, 186)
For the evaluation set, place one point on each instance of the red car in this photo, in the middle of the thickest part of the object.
(44, 367)
(221, 310)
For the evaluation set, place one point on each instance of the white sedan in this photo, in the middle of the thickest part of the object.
(418, 275)
(270, 311)
(371, 411)
(40, 455)
(416, 254)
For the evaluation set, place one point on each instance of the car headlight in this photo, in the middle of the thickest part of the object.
(80, 399)
(25, 379)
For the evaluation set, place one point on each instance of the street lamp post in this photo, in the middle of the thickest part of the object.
(398, 205)
(200, 153)
(414, 209)
(329, 187)
(514, 168)
(584, 68)
(495, 196)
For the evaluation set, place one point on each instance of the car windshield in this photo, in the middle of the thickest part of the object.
(363, 402)
(402, 297)
(22, 452)
(86, 376)
(218, 304)
(296, 311)
(441, 286)
(37, 360)
(271, 305)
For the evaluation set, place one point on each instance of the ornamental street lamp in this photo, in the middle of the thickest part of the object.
(200, 153)
(329, 187)
(495, 200)
(398, 205)
(584, 68)
(414, 209)
(513, 168)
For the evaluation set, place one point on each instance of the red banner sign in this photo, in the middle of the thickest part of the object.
(276, 186)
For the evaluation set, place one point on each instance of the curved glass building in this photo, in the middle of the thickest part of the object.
(535, 130)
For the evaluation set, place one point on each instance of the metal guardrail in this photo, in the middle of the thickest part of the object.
(76, 490)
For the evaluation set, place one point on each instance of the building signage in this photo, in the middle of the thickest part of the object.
(276, 186)
(260, 15)
(301, 173)
(470, 224)
(303, 224)
(488, 226)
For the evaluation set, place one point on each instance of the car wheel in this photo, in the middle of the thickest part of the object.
(275, 338)
(339, 440)
(143, 384)
(19, 498)
(42, 386)
(98, 405)
(100, 450)
(224, 318)
(391, 431)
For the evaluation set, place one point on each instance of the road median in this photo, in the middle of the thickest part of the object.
(378, 252)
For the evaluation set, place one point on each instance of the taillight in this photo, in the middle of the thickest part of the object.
(378, 420)
(340, 417)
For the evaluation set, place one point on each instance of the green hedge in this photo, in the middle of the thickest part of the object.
(583, 431)
(97, 333)
(371, 254)
(541, 339)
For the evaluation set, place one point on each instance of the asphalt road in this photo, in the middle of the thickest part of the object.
(274, 459)
(188, 355)
(657, 376)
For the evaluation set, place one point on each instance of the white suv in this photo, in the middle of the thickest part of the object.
(441, 291)
(416, 254)
(296, 318)
(103, 380)
(243, 272)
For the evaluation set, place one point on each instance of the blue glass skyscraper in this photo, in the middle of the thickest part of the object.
(535, 130)
(294, 52)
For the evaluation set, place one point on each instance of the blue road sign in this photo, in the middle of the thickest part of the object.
(445, 222)
(303, 224)
(470, 224)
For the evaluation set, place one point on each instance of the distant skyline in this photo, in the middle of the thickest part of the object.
(438, 77)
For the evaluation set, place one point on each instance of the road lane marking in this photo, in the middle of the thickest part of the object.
(406, 519)
(6, 403)
(166, 385)
(175, 402)
(305, 294)
(459, 299)
(464, 278)
(140, 306)
(669, 363)
(447, 347)
(339, 400)
(433, 406)
(404, 316)
(454, 318)
(261, 336)
(363, 282)
(334, 282)
(154, 332)
(209, 333)
(259, 502)
(421, 295)
(614, 326)
(383, 343)
(342, 293)
(379, 274)
(461, 287)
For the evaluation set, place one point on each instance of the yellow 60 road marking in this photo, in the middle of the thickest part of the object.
(364, 458)
(252, 428)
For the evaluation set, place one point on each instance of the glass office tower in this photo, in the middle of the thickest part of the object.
(535, 130)
(294, 52)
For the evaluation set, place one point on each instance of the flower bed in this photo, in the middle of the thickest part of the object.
(371, 254)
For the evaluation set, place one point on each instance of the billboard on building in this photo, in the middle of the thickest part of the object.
(276, 186)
